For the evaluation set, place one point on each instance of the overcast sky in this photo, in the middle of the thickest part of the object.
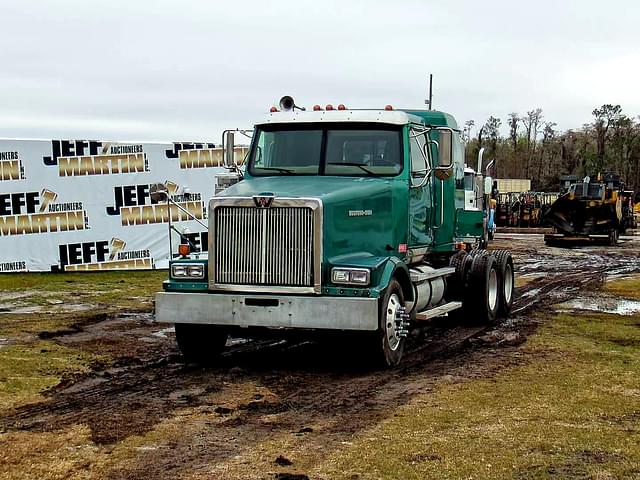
(186, 69)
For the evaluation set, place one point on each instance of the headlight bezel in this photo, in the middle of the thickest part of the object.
(188, 271)
(351, 276)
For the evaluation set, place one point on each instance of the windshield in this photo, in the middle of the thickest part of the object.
(591, 191)
(335, 150)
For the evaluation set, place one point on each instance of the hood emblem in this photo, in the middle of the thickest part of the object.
(263, 201)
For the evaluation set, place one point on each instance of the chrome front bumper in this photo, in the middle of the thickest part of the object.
(272, 311)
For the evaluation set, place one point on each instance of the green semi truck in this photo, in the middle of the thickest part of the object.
(349, 221)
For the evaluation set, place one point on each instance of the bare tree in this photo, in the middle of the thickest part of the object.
(548, 134)
(513, 130)
(568, 148)
(468, 125)
(534, 148)
(624, 141)
(606, 115)
(514, 120)
(531, 123)
(492, 130)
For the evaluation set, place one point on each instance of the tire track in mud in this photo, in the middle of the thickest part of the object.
(568, 271)
(311, 383)
(317, 406)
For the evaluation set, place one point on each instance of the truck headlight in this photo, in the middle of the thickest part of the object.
(351, 276)
(187, 271)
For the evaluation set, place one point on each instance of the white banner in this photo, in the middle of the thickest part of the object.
(85, 205)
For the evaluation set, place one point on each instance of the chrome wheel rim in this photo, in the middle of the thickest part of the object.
(394, 308)
(493, 289)
(508, 284)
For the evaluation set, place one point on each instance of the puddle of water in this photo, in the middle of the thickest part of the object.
(146, 317)
(77, 307)
(531, 293)
(15, 295)
(163, 333)
(13, 308)
(146, 448)
(604, 305)
(10, 308)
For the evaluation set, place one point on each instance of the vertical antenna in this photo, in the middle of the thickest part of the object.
(430, 101)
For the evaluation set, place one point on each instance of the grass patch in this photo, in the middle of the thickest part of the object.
(573, 412)
(56, 455)
(31, 363)
(626, 287)
(27, 370)
(122, 287)
(22, 327)
(62, 300)
(70, 454)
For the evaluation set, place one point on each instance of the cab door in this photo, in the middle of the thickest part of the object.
(420, 190)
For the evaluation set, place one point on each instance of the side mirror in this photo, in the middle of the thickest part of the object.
(488, 185)
(229, 149)
(445, 148)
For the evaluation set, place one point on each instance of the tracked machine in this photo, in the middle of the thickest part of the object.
(346, 221)
(590, 211)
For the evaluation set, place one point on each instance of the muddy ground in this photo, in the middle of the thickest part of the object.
(310, 397)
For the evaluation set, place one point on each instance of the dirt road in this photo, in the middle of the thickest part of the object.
(273, 409)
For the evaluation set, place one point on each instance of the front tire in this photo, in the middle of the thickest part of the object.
(393, 326)
(200, 343)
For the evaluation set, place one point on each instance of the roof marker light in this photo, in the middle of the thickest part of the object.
(341, 107)
(388, 107)
(273, 109)
(329, 107)
(317, 108)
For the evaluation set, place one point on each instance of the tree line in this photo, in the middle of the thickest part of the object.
(536, 150)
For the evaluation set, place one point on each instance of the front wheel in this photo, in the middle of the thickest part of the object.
(393, 321)
(200, 343)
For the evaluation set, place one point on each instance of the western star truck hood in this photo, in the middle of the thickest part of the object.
(328, 189)
(362, 216)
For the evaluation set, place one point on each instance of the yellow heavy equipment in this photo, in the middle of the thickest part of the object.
(591, 210)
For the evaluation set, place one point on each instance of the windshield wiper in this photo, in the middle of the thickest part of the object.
(353, 164)
(277, 169)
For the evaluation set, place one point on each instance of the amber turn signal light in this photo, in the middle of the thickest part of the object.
(183, 249)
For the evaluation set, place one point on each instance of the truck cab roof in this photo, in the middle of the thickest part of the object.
(390, 117)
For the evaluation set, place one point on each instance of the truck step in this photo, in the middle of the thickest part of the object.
(439, 272)
(438, 311)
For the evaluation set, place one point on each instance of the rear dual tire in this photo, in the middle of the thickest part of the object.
(483, 289)
(504, 263)
(484, 282)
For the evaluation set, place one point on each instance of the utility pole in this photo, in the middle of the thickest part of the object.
(430, 101)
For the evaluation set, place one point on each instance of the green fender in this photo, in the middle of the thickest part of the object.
(395, 268)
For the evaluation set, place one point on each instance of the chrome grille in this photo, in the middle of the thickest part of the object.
(264, 246)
